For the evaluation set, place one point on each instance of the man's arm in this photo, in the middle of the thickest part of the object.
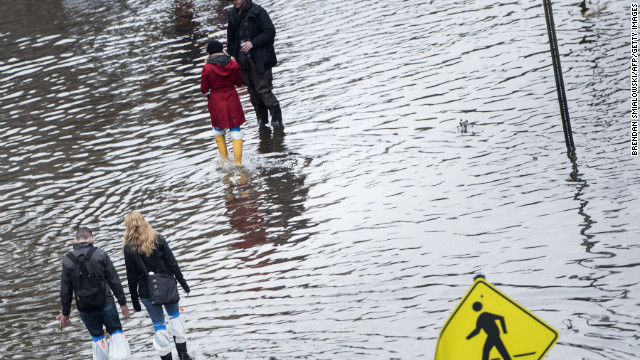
(66, 290)
(268, 34)
(111, 275)
(232, 40)
(66, 293)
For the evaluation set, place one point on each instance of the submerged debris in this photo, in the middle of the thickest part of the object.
(592, 9)
(462, 126)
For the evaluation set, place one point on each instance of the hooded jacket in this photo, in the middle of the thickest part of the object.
(261, 33)
(220, 75)
(100, 264)
(161, 261)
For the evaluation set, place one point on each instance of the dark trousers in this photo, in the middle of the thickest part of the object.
(107, 317)
(156, 313)
(260, 88)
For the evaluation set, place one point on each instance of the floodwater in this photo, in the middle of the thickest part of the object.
(355, 235)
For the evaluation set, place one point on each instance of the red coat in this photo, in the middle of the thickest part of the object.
(224, 103)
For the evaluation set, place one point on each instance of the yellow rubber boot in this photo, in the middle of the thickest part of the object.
(237, 150)
(222, 146)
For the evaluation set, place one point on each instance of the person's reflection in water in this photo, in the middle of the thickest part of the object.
(285, 191)
(186, 27)
(183, 22)
(271, 141)
(260, 207)
(266, 206)
(243, 210)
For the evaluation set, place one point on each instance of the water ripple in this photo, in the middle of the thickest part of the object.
(354, 235)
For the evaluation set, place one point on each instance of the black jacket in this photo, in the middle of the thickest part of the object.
(101, 264)
(161, 261)
(261, 33)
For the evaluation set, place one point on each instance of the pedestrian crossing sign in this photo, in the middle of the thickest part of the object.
(488, 325)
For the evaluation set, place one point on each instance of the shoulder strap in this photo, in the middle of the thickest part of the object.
(144, 267)
(90, 252)
(87, 257)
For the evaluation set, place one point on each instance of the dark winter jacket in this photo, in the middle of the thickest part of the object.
(161, 261)
(101, 264)
(221, 75)
(261, 33)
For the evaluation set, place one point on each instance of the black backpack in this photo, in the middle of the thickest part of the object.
(90, 294)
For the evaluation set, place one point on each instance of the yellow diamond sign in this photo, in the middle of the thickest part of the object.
(487, 325)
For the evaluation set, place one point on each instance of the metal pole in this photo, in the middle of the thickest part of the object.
(557, 70)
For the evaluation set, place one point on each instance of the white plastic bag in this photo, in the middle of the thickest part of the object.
(162, 342)
(119, 347)
(100, 349)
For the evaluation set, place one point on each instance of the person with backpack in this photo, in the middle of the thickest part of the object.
(88, 272)
(148, 257)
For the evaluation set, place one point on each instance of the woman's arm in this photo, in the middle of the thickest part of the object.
(204, 81)
(172, 264)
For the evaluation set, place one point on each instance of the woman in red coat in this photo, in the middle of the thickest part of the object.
(220, 75)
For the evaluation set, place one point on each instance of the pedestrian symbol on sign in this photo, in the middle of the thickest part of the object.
(488, 325)
(487, 322)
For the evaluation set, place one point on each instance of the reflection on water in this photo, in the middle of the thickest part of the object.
(580, 185)
(244, 212)
(354, 235)
(188, 27)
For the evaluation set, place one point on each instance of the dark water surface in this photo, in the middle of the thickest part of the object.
(356, 234)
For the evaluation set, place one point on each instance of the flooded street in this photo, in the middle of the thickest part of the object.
(356, 234)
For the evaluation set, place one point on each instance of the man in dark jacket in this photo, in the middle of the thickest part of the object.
(100, 264)
(250, 37)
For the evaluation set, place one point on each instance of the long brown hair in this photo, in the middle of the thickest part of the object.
(139, 234)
